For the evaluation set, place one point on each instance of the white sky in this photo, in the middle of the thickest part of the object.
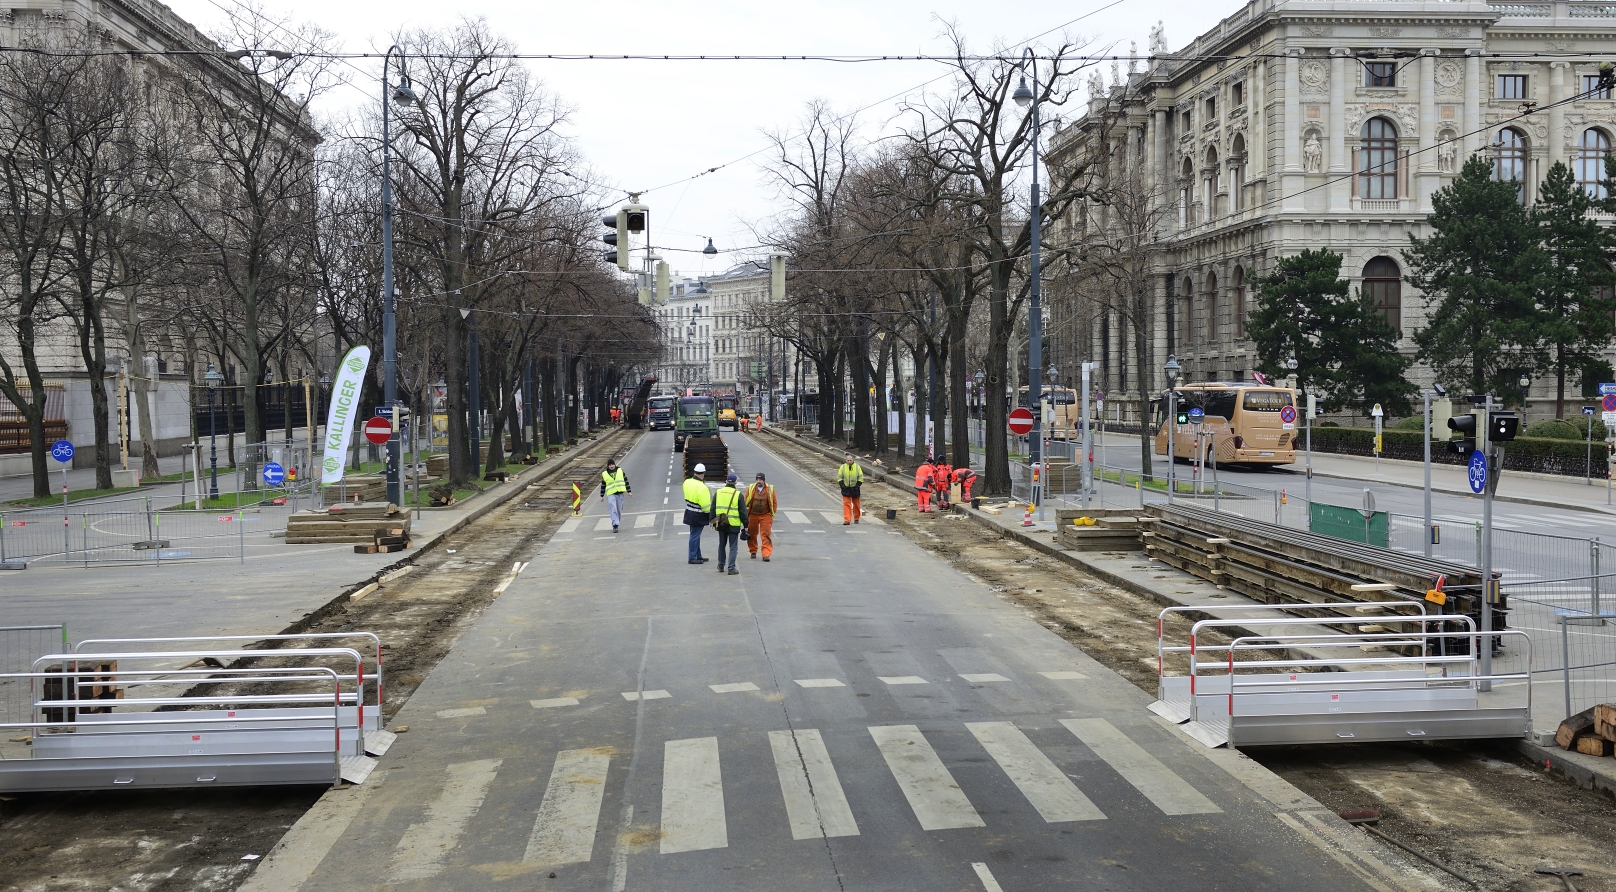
(645, 124)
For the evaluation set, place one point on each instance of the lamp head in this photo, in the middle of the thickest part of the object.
(709, 250)
(1022, 96)
(1171, 369)
(213, 377)
(1439, 389)
(403, 95)
(1291, 363)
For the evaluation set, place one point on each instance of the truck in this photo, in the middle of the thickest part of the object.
(695, 434)
(726, 412)
(659, 412)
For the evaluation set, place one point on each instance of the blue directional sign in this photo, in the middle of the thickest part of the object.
(62, 451)
(1607, 388)
(1196, 416)
(273, 473)
(1478, 472)
(1587, 410)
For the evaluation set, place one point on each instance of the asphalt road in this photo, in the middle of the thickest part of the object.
(852, 715)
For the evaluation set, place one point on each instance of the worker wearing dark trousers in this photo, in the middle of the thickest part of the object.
(614, 488)
(729, 518)
(698, 508)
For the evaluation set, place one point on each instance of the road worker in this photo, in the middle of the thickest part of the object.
(729, 518)
(941, 475)
(923, 484)
(964, 476)
(698, 509)
(761, 505)
(850, 477)
(614, 488)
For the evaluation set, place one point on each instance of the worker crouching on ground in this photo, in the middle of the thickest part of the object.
(614, 488)
(760, 507)
(923, 484)
(965, 477)
(850, 477)
(698, 508)
(729, 518)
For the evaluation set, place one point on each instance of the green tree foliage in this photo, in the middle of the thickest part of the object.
(1574, 289)
(1480, 273)
(1345, 351)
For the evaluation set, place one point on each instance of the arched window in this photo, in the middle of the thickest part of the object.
(1187, 193)
(1509, 159)
(1211, 174)
(1383, 283)
(1591, 154)
(1377, 160)
(1211, 309)
(1239, 302)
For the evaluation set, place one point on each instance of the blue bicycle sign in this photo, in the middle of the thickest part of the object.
(62, 451)
(1197, 416)
(1478, 472)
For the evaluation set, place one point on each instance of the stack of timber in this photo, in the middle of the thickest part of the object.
(437, 464)
(1591, 732)
(357, 488)
(1101, 529)
(386, 540)
(92, 680)
(1277, 565)
(350, 524)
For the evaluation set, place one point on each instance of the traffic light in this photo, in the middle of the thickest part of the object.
(1467, 427)
(1502, 427)
(1183, 417)
(617, 237)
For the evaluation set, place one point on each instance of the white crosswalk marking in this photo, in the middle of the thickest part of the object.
(797, 517)
(734, 688)
(932, 792)
(564, 831)
(902, 679)
(421, 852)
(692, 796)
(1170, 793)
(645, 520)
(570, 524)
(983, 677)
(1049, 790)
(831, 516)
(815, 803)
(603, 525)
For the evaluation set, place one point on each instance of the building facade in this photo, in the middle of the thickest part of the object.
(715, 338)
(1300, 124)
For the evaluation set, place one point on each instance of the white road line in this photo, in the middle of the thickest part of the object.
(632, 696)
(1063, 676)
(989, 884)
(903, 679)
(831, 516)
(664, 500)
(1170, 793)
(820, 683)
(692, 796)
(461, 713)
(603, 525)
(643, 535)
(553, 702)
(983, 677)
(1049, 790)
(797, 517)
(645, 520)
(932, 792)
(733, 688)
(570, 524)
(815, 803)
(426, 844)
(564, 831)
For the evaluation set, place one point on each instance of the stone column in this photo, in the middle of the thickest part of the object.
(1557, 92)
(1291, 125)
(1426, 86)
(1474, 71)
(1257, 112)
(1340, 185)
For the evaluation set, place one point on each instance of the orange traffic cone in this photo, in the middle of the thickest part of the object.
(1026, 518)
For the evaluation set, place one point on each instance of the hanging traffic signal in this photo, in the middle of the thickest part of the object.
(1466, 427)
(634, 217)
(1502, 427)
(617, 237)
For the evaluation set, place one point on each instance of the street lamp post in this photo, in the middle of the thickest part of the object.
(1024, 98)
(475, 409)
(403, 95)
(1435, 391)
(213, 378)
(1171, 370)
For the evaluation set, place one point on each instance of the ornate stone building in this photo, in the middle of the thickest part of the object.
(1315, 124)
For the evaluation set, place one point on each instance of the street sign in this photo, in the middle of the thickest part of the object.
(1197, 416)
(1587, 410)
(1288, 414)
(62, 451)
(1608, 402)
(273, 473)
(378, 430)
(1607, 389)
(1020, 421)
(1478, 472)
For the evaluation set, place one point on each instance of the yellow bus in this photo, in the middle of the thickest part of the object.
(1248, 424)
(1065, 415)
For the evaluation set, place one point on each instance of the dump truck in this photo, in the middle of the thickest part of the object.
(659, 411)
(696, 435)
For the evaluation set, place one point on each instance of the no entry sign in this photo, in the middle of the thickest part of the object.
(1020, 421)
(378, 430)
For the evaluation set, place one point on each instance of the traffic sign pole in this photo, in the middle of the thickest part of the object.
(1487, 559)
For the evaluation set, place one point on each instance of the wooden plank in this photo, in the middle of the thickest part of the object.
(1593, 746)
(1573, 727)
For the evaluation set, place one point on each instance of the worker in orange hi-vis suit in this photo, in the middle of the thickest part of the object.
(942, 474)
(965, 477)
(761, 505)
(923, 484)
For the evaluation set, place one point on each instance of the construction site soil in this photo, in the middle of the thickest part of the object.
(1479, 809)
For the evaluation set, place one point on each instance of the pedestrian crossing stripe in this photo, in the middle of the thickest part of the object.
(694, 814)
(603, 525)
(797, 517)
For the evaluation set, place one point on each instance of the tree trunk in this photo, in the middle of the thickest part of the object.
(1146, 374)
(957, 374)
(855, 350)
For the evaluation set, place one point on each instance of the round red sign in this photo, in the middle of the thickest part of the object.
(378, 430)
(1288, 414)
(1020, 421)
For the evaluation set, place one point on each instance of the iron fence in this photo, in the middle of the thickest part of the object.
(136, 531)
(19, 647)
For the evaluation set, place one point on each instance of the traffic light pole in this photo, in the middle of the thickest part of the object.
(1428, 473)
(1172, 438)
(1486, 644)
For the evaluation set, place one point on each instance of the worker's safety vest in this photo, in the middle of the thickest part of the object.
(727, 507)
(697, 496)
(923, 476)
(616, 482)
(760, 499)
(850, 475)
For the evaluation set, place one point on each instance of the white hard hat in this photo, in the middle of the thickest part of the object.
(701, 469)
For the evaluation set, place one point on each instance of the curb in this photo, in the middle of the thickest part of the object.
(1581, 775)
